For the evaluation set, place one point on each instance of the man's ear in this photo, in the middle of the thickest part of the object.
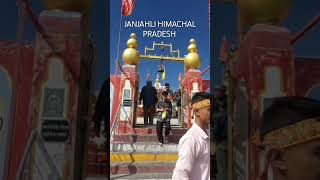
(279, 163)
(196, 112)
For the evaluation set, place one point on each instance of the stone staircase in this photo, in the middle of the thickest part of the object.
(139, 156)
(136, 154)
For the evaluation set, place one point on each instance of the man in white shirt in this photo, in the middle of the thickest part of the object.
(194, 152)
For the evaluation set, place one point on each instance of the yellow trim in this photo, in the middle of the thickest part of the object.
(294, 134)
(126, 157)
(201, 104)
(297, 133)
(150, 57)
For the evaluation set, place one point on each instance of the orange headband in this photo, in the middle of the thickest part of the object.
(201, 104)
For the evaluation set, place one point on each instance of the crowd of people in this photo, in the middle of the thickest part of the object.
(150, 96)
(163, 104)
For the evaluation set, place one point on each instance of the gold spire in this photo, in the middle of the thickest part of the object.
(192, 60)
(264, 11)
(69, 5)
(131, 55)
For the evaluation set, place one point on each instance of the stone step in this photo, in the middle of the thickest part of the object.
(142, 168)
(131, 138)
(99, 158)
(152, 130)
(144, 147)
(124, 127)
(147, 176)
(173, 121)
(141, 157)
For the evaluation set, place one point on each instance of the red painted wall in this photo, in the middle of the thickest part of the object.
(21, 73)
(205, 85)
(307, 74)
(115, 80)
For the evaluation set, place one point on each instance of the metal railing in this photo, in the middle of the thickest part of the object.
(25, 167)
(115, 123)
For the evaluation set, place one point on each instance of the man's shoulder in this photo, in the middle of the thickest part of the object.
(189, 135)
(185, 138)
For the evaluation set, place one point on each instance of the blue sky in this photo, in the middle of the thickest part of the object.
(158, 11)
(224, 21)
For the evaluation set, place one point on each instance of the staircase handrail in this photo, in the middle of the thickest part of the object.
(35, 138)
(114, 123)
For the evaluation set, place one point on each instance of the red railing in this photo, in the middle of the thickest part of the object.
(311, 24)
(205, 70)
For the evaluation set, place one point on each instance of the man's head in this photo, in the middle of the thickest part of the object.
(168, 95)
(149, 82)
(291, 131)
(166, 86)
(200, 103)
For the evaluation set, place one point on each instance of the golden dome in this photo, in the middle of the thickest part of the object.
(131, 55)
(68, 5)
(192, 48)
(264, 11)
(192, 61)
(132, 43)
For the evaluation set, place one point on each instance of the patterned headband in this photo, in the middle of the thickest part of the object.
(201, 104)
(294, 134)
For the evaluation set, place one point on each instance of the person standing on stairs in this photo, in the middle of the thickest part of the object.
(149, 96)
(167, 89)
(194, 152)
(164, 116)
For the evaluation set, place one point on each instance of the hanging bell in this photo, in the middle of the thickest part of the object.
(160, 68)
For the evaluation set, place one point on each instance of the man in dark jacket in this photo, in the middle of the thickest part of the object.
(149, 96)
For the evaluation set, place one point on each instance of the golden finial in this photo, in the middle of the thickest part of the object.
(78, 5)
(132, 42)
(264, 11)
(192, 60)
(131, 55)
(133, 35)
